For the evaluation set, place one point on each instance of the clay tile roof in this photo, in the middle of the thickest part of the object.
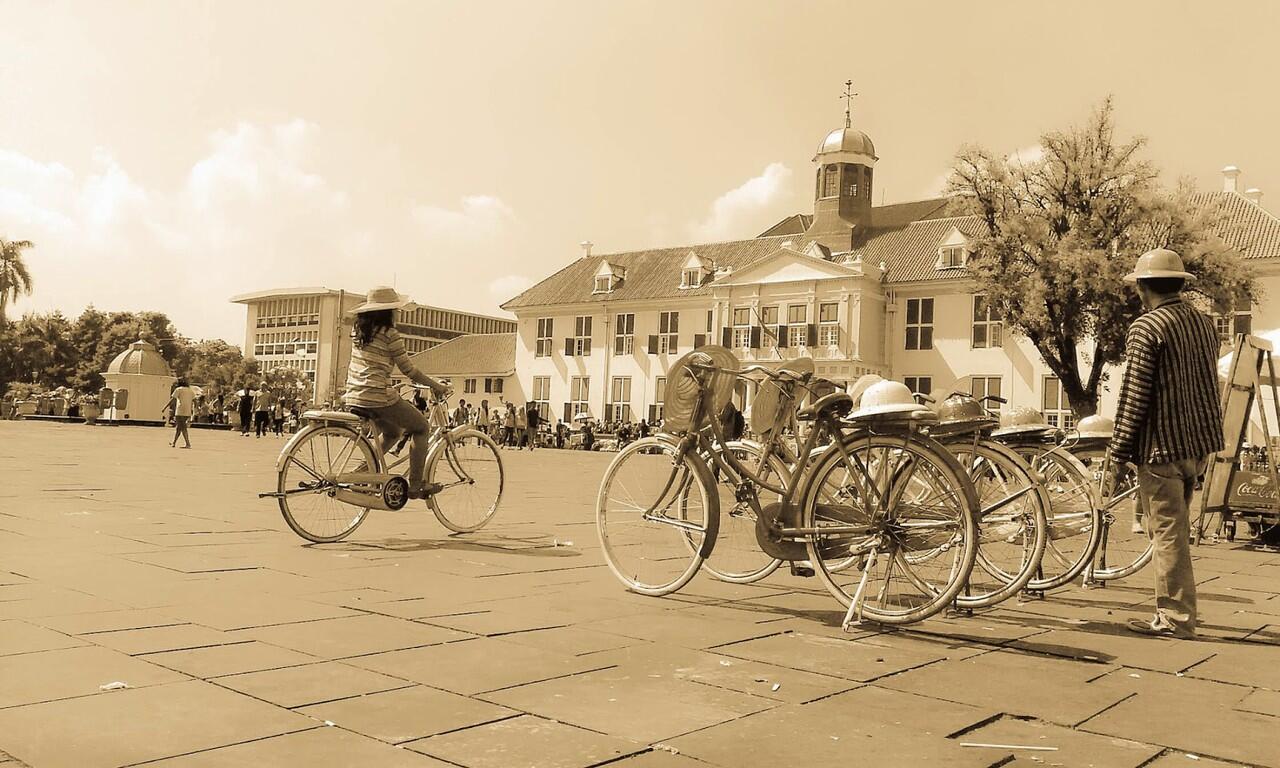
(1244, 225)
(911, 253)
(651, 274)
(795, 224)
(492, 354)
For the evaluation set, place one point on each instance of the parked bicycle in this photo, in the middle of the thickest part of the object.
(883, 496)
(332, 472)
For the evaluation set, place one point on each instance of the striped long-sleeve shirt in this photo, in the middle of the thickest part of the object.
(369, 375)
(1169, 408)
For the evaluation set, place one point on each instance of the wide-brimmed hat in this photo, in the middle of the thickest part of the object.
(885, 398)
(379, 298)
(1158, 262)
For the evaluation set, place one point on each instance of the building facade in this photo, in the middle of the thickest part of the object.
(857, 287)
(309, 329)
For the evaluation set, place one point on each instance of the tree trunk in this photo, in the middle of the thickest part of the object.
(1083, 402)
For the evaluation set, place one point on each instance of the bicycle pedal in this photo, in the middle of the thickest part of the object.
(803, 571)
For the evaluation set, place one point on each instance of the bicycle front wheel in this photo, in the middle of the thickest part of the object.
(1075, 520)
(657, 516)
(902, 506)
(308, 468)
(1124, 547)
(1013, 522)
(738, 558)
(469, 470)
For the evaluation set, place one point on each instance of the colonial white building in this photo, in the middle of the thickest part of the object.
(860, 288)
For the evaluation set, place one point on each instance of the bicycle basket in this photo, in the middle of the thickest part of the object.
(767, 413)
(683, 410)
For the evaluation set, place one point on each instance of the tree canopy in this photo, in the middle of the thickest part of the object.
(1059, 232)
(15, 279)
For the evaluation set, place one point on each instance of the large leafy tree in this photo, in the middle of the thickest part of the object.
(44, 349)
(86, 336)
(15, 280)
(215, 365)
(1060, 231)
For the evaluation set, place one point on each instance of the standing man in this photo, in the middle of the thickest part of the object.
(245, 408)
(1167, 423)
(181, 404)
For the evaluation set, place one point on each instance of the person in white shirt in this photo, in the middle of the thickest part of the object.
(182, 405)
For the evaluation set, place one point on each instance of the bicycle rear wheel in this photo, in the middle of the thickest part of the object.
(469, 469)
(1013, 522)
(1124, 547)
(905, 499)
(1075, 521)
(657, 516)
(308, 467)
(738, 558)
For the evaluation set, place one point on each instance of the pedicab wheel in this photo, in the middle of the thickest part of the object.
(656, 516)
(738, 559)
(306, 488)
(926, 541)
(468, 468)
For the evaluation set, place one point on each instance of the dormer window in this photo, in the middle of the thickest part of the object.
(695, 271)
(951, 257)
(607, 278)
(953, 251)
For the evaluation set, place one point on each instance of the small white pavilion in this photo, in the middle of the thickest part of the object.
(143, 372)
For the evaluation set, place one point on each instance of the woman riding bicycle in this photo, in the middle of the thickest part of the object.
(375, 347)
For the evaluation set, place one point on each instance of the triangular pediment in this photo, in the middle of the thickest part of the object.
(954, 237)
(787, 266)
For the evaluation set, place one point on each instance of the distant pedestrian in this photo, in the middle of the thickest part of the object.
(181, 405)
(1168, 422)
(261, 410)
(245, 407)
(532, 420)
(277, 417)
(482, 417)
(509, 426)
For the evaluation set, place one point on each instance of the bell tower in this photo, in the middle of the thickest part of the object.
(845, 164)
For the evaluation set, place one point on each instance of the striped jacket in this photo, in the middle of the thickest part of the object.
(369, 374)
(1169, 408)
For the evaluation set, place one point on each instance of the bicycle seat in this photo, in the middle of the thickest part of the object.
(836, 403)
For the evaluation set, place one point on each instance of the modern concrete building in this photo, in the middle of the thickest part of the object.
(310, 329)
(860, 288)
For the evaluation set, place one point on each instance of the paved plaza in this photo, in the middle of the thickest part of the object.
(154, 610)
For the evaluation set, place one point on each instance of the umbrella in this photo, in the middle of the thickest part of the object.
(584, 417)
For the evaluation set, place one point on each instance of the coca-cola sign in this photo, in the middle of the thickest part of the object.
(1252, 489)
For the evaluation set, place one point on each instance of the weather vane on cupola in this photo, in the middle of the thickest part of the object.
(848, 102)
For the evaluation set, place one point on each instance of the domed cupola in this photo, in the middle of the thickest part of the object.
(140, 358)
(842, 188)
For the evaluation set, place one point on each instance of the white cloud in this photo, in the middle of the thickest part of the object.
(478, 217)
(509, 286)
(735, 213)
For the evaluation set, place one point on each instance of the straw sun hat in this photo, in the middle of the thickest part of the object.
(379, 298)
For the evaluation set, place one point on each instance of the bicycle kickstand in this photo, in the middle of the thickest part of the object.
(853, 616)
(1033, 594)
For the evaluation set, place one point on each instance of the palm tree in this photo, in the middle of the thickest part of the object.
(15, 280)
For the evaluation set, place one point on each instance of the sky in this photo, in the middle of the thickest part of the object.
(169, 154)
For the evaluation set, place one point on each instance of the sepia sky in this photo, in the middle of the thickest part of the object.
(166, 154)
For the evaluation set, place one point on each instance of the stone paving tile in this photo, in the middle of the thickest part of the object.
(1242, 663)
(1262, 702)
(632, 702)
(408, 713)
(1120, 646)
(54, 603)
(685, 629)
(723, 671)
(571, 640)
(1000, 680)
(861, 660)
(1187, 760)
(219, 660)
(1073, 748)
(108, 621)
(525, 741)
(352, 636)
(234, 613)
(470, 666)
(658, 758)
(47, 675)
(22, 637)
(867, 726)
(176, 637)
(316, 748)
(132, 726)
(310, 684)
(1185, 714)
